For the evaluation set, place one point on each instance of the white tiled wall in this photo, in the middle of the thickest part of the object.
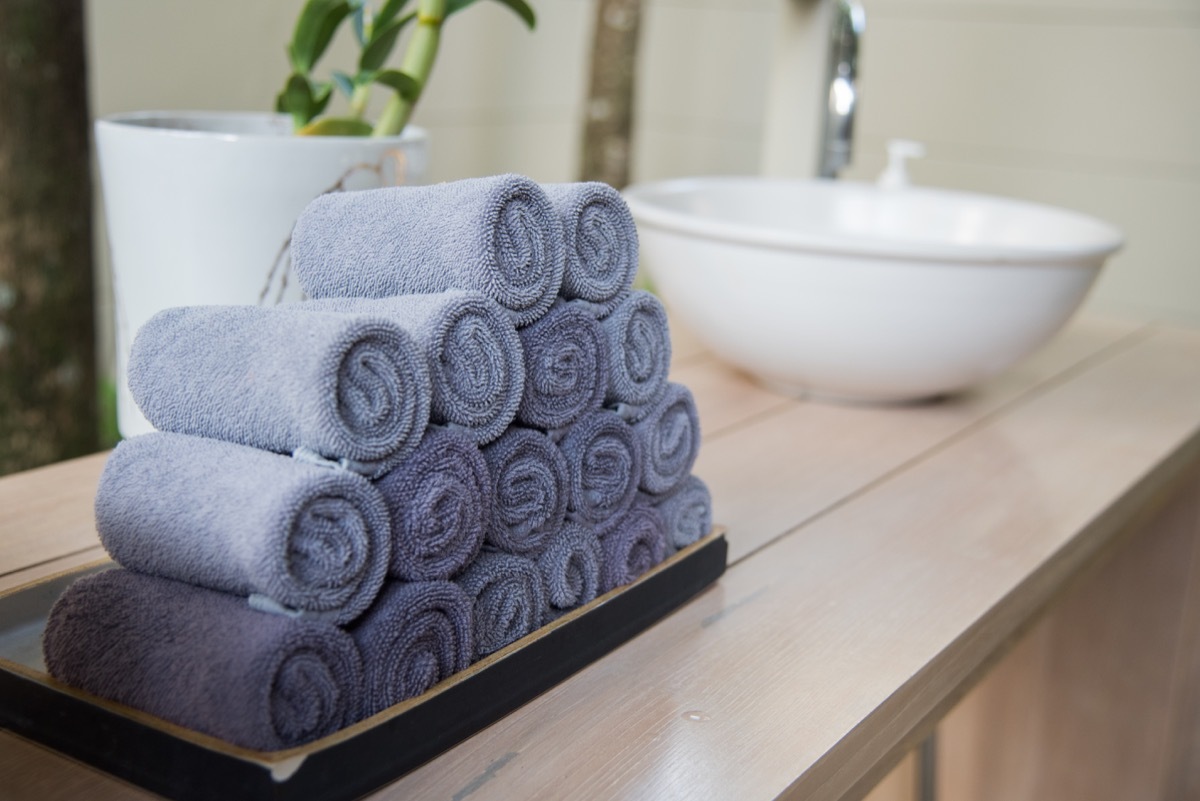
(1090, 104)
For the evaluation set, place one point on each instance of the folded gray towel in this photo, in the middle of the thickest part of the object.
(604, 466)
(686, 512)
(639, 354)
(638, 543)
(570, 565)
(566, 367)
(344, 387)
(498, 235)
(203, 660)
(602, 243)
(529, 490)
(414, 636)
(245, 521)
(476, 366)
(669, 436)
(440, 504)
(509, 599)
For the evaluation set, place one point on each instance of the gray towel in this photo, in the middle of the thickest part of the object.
(353, 388)
(509, 599)
(529, 488)
(476, 366)
(639, 354)
(686, 512)
(638, 543)
(669, 436)
(604, 466)
(498, 235)
(203, 660)
(440, 504)
(570, 566)
(245, 521)
(566, 367)
(602, 243)
(413, 637)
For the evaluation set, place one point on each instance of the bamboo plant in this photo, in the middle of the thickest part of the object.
(377, 31)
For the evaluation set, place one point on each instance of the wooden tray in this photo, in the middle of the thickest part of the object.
(183, 764)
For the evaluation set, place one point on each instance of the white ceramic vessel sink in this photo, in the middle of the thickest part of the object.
(849, 291)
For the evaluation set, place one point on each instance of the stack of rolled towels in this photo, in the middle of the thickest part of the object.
(464, 433)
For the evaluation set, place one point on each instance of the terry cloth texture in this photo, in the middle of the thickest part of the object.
(414, 636)
(566, 367)
(638, 543)
(670, 440)
(509, 599)
(529, 488)
(639, 354)
(602, 243)
(344, 387)
(570, 566)
(498, 235)
(476, 367)
(204, 660)
(686, 512)
(244, 521)
(604, 466)
(440, 505)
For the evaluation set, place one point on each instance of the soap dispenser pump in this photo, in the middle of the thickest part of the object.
(895, 175)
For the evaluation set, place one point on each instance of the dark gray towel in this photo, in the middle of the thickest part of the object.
(602, 243)
(639, 354)
(570, 566)
(686, 512)
(245, 521)
(203, 660)
(638, 543)
(669, 436)
(509, 599)
(354, 388)
(498, 235)
(566, 367)
(604, 466)
(413, 637)
(476, 365)
(529, 488)
(440, 504)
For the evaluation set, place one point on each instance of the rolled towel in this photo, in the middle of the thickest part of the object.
(414, 636)
(354, 388)
(509, 599)
(529, 488)
(476, 365)
(570, 566)
(203, 660)
(566, 367)
(246, 522)
(670, 440)
(638, 543)
(498, 235)
(440, 505)
(602, 243)
(639, 354)
(604, 465)
(686, 512)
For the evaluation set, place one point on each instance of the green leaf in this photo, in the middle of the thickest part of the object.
(358, 21)
(518, 7)
(336, 126)
(322, 92)
(297, 98)
(344, 83)
(382, 43)
(315, 27)
(389, 10)
(405, 85)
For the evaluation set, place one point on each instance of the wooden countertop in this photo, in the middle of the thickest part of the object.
(880, 560)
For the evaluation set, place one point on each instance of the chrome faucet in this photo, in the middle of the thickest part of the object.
(837, 132)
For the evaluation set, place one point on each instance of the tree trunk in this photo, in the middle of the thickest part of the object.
(47, 339)
(609, 126)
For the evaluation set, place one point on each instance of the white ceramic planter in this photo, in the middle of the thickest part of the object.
(200, 206)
